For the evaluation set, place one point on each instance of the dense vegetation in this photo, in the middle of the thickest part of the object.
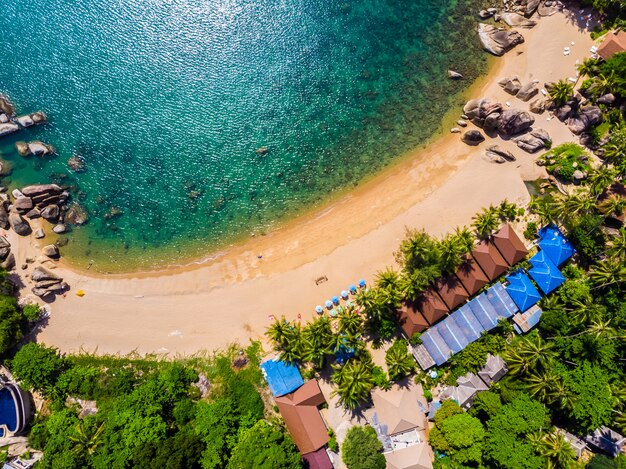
(149, 413)
(362, 450)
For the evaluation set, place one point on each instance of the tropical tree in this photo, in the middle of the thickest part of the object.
(451, 252)
(588, 67)
(486, 222)
(600, 178)
(350, 322)
(613, 205)
(354, 381)
(362, 450)
(557, 451)
(507, 210)
(604, 83)
(465, 237)
(543, 386)
(279, 332)
(87, 437)
(577, 203)
(367, 299)
(399, 362)
(608, 272)
(561, 92)
(615, 148)
(529, 354)
(416, 250)
(318, 341)
(544, 209)
(617, 245)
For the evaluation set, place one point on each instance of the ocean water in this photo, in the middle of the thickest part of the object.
(167, 101)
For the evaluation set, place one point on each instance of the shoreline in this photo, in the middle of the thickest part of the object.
(230, 299)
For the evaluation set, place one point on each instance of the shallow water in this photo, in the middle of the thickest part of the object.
(166, 102)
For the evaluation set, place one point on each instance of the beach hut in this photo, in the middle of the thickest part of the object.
(545, 273)
(471, 276)
(411, 319)
(521, 290)
(494, 369)
(510, 245)
(615, 190)
(484, 311)
(281, 377)
(432, 306)
(612, 44)
(452, 335)
(501, 301)
(489, 259)
(465, 319)
(606, 440)
(451, 291)
(555, 245)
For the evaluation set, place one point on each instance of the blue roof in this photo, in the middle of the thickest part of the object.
(484, 311)
(555, 245)
(521, 290)
(545, 273)
(467, 322)
(533, 319)
(436, 346)
(282, 377)
(501, 301)
(452, 335)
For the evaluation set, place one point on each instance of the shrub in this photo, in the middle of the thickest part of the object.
(563, 160)
(362, 450)
(531, 230)
(31, 312)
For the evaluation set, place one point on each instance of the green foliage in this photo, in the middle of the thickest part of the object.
(332, 442)
(362, 450)
(264, 446)
(601, 461)
(31, 312)
(399, 362)
(473, 357)
(380, 378)
(486, 404)
(448, 409)
(563, 160)
(561, 92)
(38, 367)
(530, 232)
(10, 323)
(354, 381)
(461, 438)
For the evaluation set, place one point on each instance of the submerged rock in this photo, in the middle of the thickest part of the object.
(51, 213)
(59, 229)
(498, 41)
(262, 151)
(76, 214)
(76, 164)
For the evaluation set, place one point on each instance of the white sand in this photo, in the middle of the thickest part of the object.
(229, 299)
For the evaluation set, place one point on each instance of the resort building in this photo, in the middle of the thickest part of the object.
(493, 371)
(577, 444)
(400, 422)
(15, 409)
(613, 43)
(606, 440)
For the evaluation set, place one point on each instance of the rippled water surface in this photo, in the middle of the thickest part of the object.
(167, 101)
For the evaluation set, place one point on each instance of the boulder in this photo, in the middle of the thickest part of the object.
(262, 151)
(492, 157)
(51, 250)
(517, 21)
(23, 204)
(5, 168)
(38, 148)
(541, 135)
(528, 91)
(461, 123)
(514, 121)
(59, 229)
(39, 233)
(4, 243)
(22, 148)
(19, 225)
(586, 118)
(41, 273)
(8, 128)
(39, 117)
(9, 262)
(498, 41)
(477, 110)
(507, 155)
(25, 121)
(564, 112)
(455, 130)
(538, 106)
(76, 214)
(529, 143)
(454, 75)
(484, 14)
(578, 176)
(4, 252)
(51, 213)
(491, 122)
(510, 85)
(45, 284)
(39, 190)
(76, 164)
(6, 106)
(3, 118)
(4, 216)
(472, 137)
(32, 214)
(531, 6)
(606, 99)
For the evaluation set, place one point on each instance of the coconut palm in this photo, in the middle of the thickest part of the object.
(544, 208)
(577, 203)
(507, 210)
(601, 329)
(278, 332)
(604, 84)
(399, 362)
(486, 222)
(465, 237)
(388, 278)
(294, 346)
(561, 92)
(543, 386)
(87, 438)
(318, 341)
(416, 250)
(530, 355)
(350, 322)
(613, 205)
(617, 245)
(588, 67)
(413, 285)
(451, 251)
(608, 272)
(557, 450)
(586, 311)
(562, 396)
(366, 299)
(600, 178)
(353, 382)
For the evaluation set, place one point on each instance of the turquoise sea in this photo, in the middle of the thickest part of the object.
(166, 102)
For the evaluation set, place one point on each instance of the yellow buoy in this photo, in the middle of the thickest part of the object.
(80, 293)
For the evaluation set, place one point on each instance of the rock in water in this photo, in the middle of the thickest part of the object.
(528, 91)
(262, 151)
(8, 128)
(76, 215)
(454, 75)
(472, 137)
(59, 229)
(76, 164)
(19, 225)
(6, 106)
(514, 121)
(51, 213)
(515, 20)
(497, 41)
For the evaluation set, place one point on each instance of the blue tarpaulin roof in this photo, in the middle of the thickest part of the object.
(484, 311)
(545, 272)
(281, 377)
(555, 245)
(436, 346)
(501, 301)
(521, 290)
(467, 322)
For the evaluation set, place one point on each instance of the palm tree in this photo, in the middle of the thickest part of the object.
(614, 153)
(353, 382)
(451, 252)
(608, 272)
(586, 311)
(617, 245)
(577, 203)
(507, 210)
(294, 347)
(544, 208)
(486, 222)
(543, 386)
(588, 67)
(529, 355)
(388, 278)
(318, 341)
(465, 237)
(601, 178)
(87, 438)
(561, 92)
(613, 205)
(366, 299)
(416, 250)
(278, 332)
(604, 84)
(399, 362)
(350, 322)
(557, 450)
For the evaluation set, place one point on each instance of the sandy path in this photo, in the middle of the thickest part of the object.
(230, 297)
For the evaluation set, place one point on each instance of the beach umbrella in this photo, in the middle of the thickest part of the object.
(433, 374)
(333, 313)
(319, 309)
(335, 300)
(329, 304)
(345, 294)
(352, 289)
(362, 283)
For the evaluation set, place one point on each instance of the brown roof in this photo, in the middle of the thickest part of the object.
(510, 245)
(489, 259)
(471, 276)
(432, 307)
(398, 408)
(303, 419)
(411, 319)
(451, 291)
(318, 460)
(417, 456)
(612, 44)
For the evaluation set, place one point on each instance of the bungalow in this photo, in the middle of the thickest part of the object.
(606, 440)
(613, 43)
(465, 390)
(493, 371)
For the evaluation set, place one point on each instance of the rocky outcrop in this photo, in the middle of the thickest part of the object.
(19, 224)
(8, 128)
(76, 214)
(510, 85)
(35, 148)
(31, 119)
(538, 106)
(477, 110)
(505, 154)
(586, 118)
(514, 121)
(528, 91)
(498, 41)
(45, 194)
(488, 13)
(46, 282)
(472, 137)
(23, 204)
(516, 20)
(537, 139)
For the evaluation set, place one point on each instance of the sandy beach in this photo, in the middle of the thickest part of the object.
(231, 296)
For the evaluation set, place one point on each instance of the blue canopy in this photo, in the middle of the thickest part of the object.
(452, 335)
(555, 245)
(521, 290)
(545, 273)
(282, 377)
(467, 322)
(436, 346)
(501, 301)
